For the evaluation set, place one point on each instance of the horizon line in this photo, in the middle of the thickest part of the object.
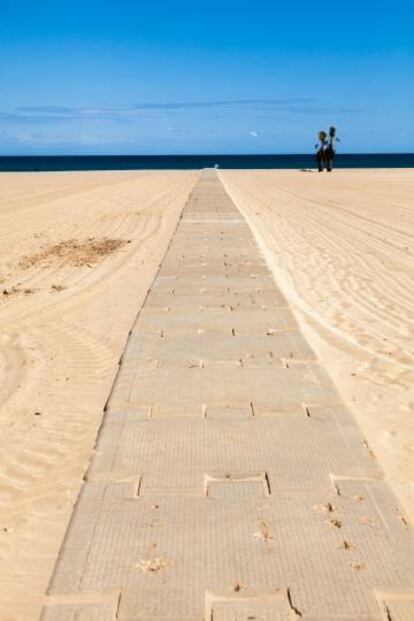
(283, 154)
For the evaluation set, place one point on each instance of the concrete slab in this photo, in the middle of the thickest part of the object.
(184, 391)
(324, 454)
(213, 349)
(168, 551)
(257, 300)
(183, 321)
(214, 284)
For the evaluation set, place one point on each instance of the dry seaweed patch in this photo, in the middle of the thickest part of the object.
(74, 252)
(153, 565)
(265, 533)
(57, 288)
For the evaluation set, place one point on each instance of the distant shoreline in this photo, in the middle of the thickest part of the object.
(54, 163)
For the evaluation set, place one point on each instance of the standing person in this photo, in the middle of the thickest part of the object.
(320, 149)
(329, 150)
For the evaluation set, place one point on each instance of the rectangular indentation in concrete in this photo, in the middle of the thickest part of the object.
(214, 349)
(98, 606)
(396, 605)
(229, 484)
(171, 484)
(273, 410)
(260, 360)
(182, 392)
(377, 509)
(213, 221)
(78, 612)
(130, 483)
(165, 618)
(245, 603)
(222, 364)
(124, 412)
(229, 413)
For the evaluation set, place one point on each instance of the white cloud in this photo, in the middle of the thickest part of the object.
(89, 139)
(254, 134)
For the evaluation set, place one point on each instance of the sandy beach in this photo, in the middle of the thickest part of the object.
(79, 252)
(341, 248)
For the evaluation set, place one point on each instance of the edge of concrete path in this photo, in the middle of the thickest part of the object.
(111, 390)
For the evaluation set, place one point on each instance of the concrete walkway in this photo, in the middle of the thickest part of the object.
(229, 481)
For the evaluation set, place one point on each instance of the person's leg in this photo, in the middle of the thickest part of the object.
(320, 163)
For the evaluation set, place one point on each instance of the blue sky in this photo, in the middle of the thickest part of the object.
(125, 76)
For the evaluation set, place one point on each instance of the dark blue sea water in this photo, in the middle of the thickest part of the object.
(180, 162)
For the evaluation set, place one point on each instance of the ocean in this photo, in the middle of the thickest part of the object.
(185, 162)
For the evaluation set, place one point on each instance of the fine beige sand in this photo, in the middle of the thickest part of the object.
(78, 253)
(341, 248)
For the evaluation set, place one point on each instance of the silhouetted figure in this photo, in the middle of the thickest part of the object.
(320, 149)
(329, 153)
(325, 149)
